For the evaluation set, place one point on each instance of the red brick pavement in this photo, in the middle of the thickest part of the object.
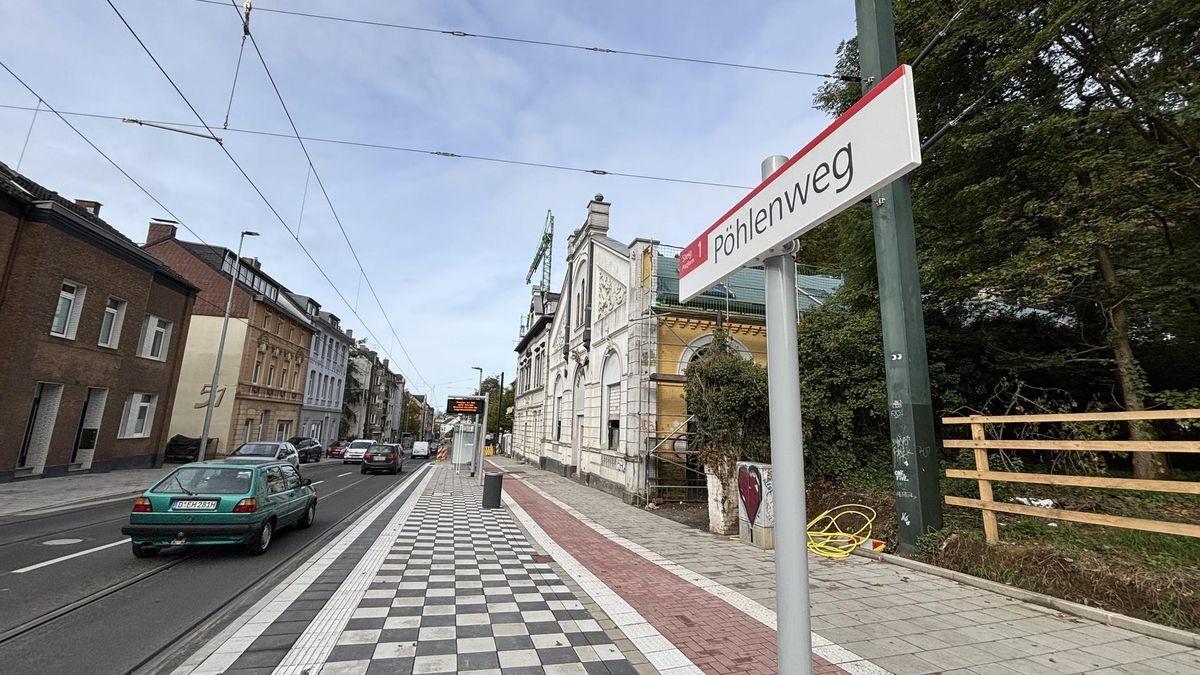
(716, 636)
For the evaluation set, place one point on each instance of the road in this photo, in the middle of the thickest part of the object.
(105, 611)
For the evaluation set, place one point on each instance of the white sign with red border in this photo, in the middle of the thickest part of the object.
(869, 146)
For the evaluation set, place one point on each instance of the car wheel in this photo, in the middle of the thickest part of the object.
(144, 550)
(362, 470)
(310, 515)
(262, 539)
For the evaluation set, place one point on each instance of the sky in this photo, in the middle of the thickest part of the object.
(445, 243)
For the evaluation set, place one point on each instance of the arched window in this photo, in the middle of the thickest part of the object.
(698, 347)
(558, 403)
(577, 408)
(610, 402)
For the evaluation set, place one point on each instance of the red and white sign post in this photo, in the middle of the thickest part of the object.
(866, 148)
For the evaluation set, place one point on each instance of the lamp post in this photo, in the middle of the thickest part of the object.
(212, 389)
(480, 390)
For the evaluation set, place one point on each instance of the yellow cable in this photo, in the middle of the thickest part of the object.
(838, 531)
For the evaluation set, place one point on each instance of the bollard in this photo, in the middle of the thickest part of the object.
(492, 484)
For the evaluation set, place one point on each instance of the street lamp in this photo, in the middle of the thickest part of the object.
(480, 391)
(212, 389)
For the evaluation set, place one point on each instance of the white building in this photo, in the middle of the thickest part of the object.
(533, 369)
(328, 359)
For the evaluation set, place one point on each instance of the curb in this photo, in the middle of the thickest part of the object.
(1149, 628)
(107, 498)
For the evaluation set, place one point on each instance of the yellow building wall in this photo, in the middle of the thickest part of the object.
(675, 333)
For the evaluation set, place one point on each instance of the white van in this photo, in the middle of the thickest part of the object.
(420, 449)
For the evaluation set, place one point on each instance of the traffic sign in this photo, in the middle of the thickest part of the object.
(870, 145)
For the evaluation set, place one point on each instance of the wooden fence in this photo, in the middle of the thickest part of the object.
(985, 476)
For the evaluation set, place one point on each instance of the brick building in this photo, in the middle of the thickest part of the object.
(263, 371)
(93, 329)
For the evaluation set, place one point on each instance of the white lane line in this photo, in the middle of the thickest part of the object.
(229, 645)
(826, 649)
(68, 557)
(317, 482)
(661, 653)
(344, 474)
(320, 637)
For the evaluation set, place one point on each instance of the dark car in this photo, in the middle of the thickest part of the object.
(265, 451)
(307, 449)
(381, 457)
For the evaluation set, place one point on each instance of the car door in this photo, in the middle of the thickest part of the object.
(277, 497)
(296, 497)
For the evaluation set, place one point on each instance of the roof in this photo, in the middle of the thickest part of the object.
(611, 243)
(744, 292)
(21, 188)
(214, 256)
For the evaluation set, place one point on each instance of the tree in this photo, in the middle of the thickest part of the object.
(352, 395)
(727, 394)
(498, 418)
(1072, 191)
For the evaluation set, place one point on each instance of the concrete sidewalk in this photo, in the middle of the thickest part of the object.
(43, 495)
(868, 616)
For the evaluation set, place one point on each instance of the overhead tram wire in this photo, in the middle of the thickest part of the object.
(543, 43)
(176, 219)
(400, 148)
(245, 175)
(328, 200)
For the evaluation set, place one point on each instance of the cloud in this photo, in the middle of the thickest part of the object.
(446, 242)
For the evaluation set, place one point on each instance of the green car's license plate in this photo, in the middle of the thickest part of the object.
(194, 505)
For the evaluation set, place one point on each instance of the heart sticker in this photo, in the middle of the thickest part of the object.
(750, 490)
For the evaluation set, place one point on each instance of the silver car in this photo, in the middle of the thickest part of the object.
(356, 449)
(266, 451)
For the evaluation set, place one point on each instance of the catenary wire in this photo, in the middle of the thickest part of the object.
(329, 201)
(421, 151)
(249, 179)
(542, 43)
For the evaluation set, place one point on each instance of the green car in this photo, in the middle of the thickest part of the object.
(229, 502)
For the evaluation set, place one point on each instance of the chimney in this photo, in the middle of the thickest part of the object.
(597, 217)
(160, 230)
(255, 263)
(90, 206)
(350, 333)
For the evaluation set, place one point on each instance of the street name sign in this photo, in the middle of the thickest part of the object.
(869, 146)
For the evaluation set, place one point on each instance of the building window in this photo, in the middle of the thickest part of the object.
(614, 434)
(156, 336)
(110, 325)
(138, 417)
(66, 314)
(291, 334)
(266, 320)
(282, 429)
(283, 378)
(296, 379)
(271, 375)
(246, 430)
(262, 426)
(257, 370)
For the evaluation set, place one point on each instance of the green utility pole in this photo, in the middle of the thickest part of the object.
(914, 450)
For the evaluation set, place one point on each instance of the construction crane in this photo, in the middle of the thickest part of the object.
(544, 254)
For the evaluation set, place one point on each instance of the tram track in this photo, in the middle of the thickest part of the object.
(239, 597)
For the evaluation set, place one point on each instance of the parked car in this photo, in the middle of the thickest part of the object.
(336, 450)
(266, 451)
(420, 450)
(210, 503)
(382, 457)
(354, 451)
(309, 449)
(182, 449)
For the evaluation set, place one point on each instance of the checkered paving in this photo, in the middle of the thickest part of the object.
(460, 591)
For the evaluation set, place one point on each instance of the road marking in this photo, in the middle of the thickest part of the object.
(317, 482)
(61, 542)
(344, 474)
(68, 557)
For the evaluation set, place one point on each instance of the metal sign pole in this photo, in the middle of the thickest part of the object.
(482, 436)
(787, 458)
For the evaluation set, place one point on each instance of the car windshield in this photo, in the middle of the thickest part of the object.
(206, 480)
(257, 450)
(380, 448)
(295, 440)
(361, 444)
